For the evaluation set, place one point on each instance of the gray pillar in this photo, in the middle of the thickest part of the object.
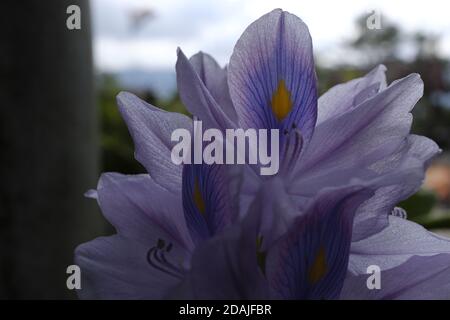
(49, 146)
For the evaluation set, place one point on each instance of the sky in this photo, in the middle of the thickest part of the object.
(214, 27)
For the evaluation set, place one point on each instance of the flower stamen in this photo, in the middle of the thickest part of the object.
(157, 259)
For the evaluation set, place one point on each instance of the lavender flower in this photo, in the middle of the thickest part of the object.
(206, 231)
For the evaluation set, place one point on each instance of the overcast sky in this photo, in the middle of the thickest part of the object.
(214, 26)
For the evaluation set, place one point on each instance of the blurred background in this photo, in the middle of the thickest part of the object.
(60, 127)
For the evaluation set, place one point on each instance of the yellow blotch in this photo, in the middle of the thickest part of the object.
(319, 267)
(281, 101)
(198, 199)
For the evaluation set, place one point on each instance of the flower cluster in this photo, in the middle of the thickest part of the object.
(216, 231)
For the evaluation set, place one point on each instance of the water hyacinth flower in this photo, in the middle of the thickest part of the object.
(199, 231)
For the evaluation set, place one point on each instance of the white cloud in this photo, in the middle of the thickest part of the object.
(214, 26)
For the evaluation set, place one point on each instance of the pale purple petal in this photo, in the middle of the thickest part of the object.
(394, 178)
(117, 268)
(363, 135)
(142, 210)
(197, 98)
(274, 52)
(408, 166)
(91, 194)
(310, 261)
(215, 79)
(272, 210)
(394, 245)
(424, 278)
(226, 267)
(346, 96)
(151, 129)
(370, 141)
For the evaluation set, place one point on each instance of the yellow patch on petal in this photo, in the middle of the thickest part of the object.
(198, 199)
(319, 267)
(281, 101)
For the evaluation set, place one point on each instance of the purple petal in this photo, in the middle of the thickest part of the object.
(215, 79)
(408, 165)
(363, 135)
(271, 211)
(394, 245)
(395, 178)
(206, 200)
(346, 96)
(151, 129)
(117, 268)
(227, 266)
(418, 278)
(310, 261)
(91, 194)
(141, 209)
(271, 75)
(197, 98)
(373, 143)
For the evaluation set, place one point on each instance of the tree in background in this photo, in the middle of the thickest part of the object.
(402, 53)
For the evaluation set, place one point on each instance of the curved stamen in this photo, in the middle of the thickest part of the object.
(291, 149)
(162, 259)
(157, 259)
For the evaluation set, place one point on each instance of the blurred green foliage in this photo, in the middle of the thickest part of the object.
(117, 151)
(117, 148)
(419, 205)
